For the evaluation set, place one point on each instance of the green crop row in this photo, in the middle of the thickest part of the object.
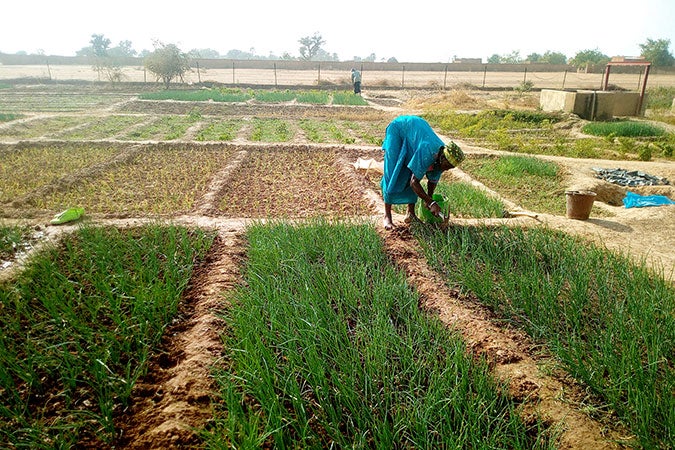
(172, 127)
(79, 325)
(610, 323)
(264, 96)
(327, 348)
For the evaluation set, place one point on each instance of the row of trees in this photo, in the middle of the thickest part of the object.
(655, 51)
(168, 62)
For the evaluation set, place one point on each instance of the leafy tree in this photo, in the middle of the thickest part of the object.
(656, 52)
(167, 62)
(123, 49)
(207, 53)
(585, 58)
(533, 57)
(310, 46)
(105, 60)
(99, 44)
(553, 58)
(511, 58)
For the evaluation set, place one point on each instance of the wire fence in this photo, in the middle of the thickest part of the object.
(318, 78)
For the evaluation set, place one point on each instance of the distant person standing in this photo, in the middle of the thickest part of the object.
(356, 79)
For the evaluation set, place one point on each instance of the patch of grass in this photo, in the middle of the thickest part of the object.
(270, 130)
(102, 127)
(313, 97)
(201, 95)
(79, 325)
(46, 127)
(527, 181)
(465, 200)
(274, 96)
(222, 130)
(328, 348)
(166, 128)
(7, 117)
(326, 131)
(611, 322)
(623, 128)
(12, 240)
(660, 97)
(348, 98)
(532, 133)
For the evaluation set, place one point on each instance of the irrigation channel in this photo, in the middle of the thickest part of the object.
(175, 397)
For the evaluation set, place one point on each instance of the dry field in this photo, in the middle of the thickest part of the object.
(392, 79)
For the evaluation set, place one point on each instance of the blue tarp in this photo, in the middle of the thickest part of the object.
(633, 200)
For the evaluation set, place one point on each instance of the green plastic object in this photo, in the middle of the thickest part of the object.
(69, 215)
(426, 216)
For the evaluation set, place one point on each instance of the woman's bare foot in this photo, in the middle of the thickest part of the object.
(388, 225)
(410, 218)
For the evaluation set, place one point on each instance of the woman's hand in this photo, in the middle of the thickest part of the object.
(434, 208)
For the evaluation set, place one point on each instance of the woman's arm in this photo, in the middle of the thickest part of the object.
(426, 198)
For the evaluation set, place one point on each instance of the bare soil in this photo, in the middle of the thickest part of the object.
(178, 395)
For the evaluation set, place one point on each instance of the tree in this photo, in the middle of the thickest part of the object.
(585, 58)
(656, 52)
(512, 58)
(553, 58)
(167, 62)
(206, 53)
(99, 45)
(533, 58)
(122, 50)
(103, 60)
(310, 46)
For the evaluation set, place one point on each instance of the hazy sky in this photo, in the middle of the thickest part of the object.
(414, 31)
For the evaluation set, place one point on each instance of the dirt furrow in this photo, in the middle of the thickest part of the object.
(175, 397)
(509, 351)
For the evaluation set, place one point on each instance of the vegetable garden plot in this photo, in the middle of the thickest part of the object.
(155, 181)
(327, 348)
(219, 130)
(40, 127)
(79, 326)
(294, 182)
(165, 128)
(25, 170)
(103, 127)
(29, 100)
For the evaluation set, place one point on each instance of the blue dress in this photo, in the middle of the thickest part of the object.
(410, 147)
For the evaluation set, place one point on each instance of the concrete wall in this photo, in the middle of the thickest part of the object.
(592, 105)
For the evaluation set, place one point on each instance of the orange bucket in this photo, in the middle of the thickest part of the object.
(579, 204)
